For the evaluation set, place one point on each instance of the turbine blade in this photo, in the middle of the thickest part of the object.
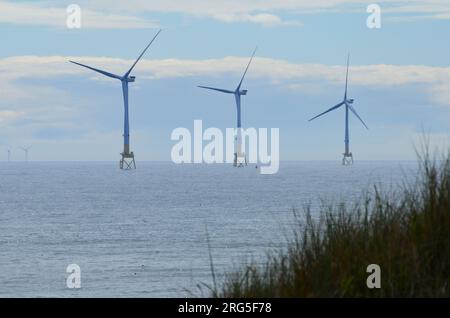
(242, 79)
(346, 77)
(218, 89)
(356, 114)
(97, 70)
(142, 54)
(329, 110)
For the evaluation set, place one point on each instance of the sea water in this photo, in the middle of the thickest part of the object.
(144, 233)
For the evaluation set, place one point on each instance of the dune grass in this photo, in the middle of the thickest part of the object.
(406, 233)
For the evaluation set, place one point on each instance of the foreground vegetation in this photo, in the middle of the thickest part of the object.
(406, 233)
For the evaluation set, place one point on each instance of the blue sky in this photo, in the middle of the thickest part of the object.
(399, 76)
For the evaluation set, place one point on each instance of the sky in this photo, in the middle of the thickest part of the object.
(399, 75)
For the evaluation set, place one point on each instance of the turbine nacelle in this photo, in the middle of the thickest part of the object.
(131, 79)
(350, 101)
(238, 90)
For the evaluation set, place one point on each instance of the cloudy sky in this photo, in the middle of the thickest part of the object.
(399, 76)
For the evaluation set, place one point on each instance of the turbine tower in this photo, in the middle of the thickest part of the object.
(240, 158)
(127, 161)
(25, 150)
(348, 102)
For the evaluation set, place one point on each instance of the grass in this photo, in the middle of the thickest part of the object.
(406, 233)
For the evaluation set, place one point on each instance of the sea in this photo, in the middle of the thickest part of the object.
(156, 231)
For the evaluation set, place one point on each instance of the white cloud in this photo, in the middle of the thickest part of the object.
(55, 16)
(9, 115)
(264, 19)
(128, 14)
(436, 80)
(232, 9)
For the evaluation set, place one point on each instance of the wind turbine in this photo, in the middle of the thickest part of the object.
(9, 155)
(347, 102)
(239, 156)
(127, 161)
(25, 150)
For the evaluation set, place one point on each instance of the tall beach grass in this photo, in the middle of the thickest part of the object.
(406, 233)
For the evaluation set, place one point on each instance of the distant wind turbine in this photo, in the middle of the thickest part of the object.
(25, 150)
(239, 156)
(9, 155)
(127, 161)
(348, 102)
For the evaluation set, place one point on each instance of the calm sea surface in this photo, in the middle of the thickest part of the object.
(143, 233)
